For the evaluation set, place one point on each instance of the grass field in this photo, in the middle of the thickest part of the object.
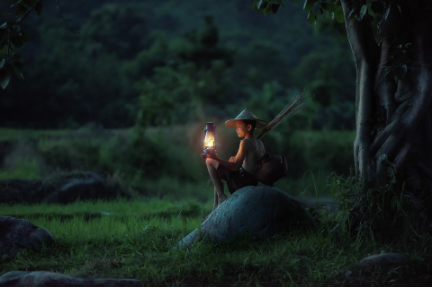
(132, 239)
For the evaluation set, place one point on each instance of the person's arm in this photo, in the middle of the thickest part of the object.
(241, 154)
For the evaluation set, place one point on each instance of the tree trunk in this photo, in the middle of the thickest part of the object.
(393, 146)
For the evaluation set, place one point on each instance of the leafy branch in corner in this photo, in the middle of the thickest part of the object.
(12, 38)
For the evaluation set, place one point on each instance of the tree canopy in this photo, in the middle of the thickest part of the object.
(75, 72)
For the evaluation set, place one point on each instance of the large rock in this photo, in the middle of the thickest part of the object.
(61, 189)
(256, 211)
(86, 186)
(51, 279)
(17, 234)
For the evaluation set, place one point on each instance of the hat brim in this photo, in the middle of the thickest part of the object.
(232, 123)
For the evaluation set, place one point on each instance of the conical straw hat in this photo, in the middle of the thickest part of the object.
(245, 115)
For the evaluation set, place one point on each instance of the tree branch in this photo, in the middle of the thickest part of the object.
(60, 11)
(26, 14)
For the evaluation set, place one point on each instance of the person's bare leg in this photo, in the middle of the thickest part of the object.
(218, 185)
(215, 204)
(215, 200)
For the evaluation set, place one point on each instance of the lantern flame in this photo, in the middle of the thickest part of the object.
(209, 141)
(209, 137)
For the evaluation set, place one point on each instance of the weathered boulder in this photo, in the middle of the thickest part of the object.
(51, 279)
(256, 211)
(86, 186)
(17, 234)
(61, 189)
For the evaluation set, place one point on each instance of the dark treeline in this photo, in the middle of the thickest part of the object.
(118, 62)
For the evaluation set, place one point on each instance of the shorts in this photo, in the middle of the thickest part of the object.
(236, 179)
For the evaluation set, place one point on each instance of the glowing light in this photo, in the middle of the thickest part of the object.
(209, 140)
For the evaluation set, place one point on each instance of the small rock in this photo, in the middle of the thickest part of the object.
(384, 259)
(256, 211)
(45, 278)
(17, 234)
(348, 274)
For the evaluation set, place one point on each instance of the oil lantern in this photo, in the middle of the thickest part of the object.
(209, 140)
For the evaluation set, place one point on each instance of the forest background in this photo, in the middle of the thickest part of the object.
(125, 89)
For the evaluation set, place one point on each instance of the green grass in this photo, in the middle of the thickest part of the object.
(134, 241)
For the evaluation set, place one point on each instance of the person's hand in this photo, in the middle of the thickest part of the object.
(232, 159)
(211, 154)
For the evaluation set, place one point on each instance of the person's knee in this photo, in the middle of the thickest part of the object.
(209, 161)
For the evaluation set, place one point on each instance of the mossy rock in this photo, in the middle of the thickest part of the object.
(61, 189)
(17, 234)
(254, 211)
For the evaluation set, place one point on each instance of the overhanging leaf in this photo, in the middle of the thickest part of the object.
(38, 7)
(254, 4)
(327, 6)
(17, 73)
(20, 11)
(259, 3)
(264, 5)
(338, 14)
(351, 13)
(363, 11)
(268, 9)
(4, 78)
(275, 8)
(311, 17)
(386, 13)
(309, 4)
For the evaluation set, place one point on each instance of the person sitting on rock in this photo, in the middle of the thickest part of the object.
(241, 170)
